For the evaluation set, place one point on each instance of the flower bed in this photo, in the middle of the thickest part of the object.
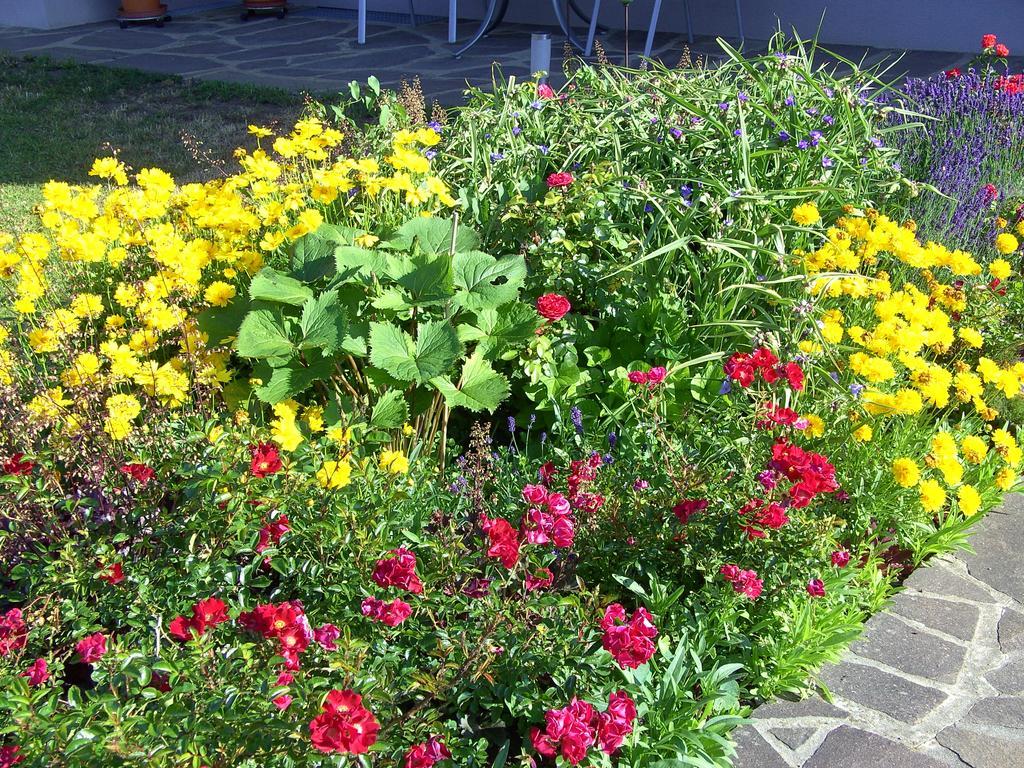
(252, 516)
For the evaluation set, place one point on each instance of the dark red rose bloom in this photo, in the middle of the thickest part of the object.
(547, 472)
(10, 756)
(556, 180)
(271, 533)
(794, 375)
(540, 579)
(266, 460)
(553, 306)
(840, 558)
(140, 473)
(504, 542)
(988, 41)
(181, 628)
(1002, 51)
(210, 612)
(616, 722)
(113, 575)
(160, 682)
(953, 73)
(92, 648)
(16, 465)
(568, 732)
(326, 635)
(628, 640)
(37, 672)
(390, 614)
(345, 726)
(686, 508)
(426, 754)
(730, 572)
(816, 588)
(399, 570)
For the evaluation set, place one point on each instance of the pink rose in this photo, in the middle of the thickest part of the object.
(561, 179)
(92, 648)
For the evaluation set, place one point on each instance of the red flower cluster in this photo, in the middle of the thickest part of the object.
(687, 508)
(345, 726)
(391, 614)
(744, 582)
(271, 533)
(326, 636)
(92, 648)
(561, 179)
(266, 460)
(628, 640)
(549, 519)
(651, 378)
(767, 516)
(542, 578)
(777, 415)
(581, 473)
(953, 73)
(399, 570)
(812, 473)
(284, 622)
(206, 614)
(840, 558)
(744, 367)
(10, 756)
(140, 473)
(553, 306)
(16, 465)
(988, 41)
(573, 730)
(503, 540)
(816, 588)
(426, 754)
(37, 672)
(113, 574)
(1012, 84)
(990, 45)
(545, 91)
(13, 632)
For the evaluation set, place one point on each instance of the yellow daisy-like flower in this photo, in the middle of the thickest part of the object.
(1006, 243)
(906, 472)
(219, 293)
(1000, 268)
(806, 214)
(394, 462)
(334, 474)
(863, 434)
(968, 499)
(1005, 479)
(973, 449)
(932, 495)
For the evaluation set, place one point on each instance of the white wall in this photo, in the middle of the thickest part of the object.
(54, 14)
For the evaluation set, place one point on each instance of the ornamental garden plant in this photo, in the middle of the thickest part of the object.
(560, 431)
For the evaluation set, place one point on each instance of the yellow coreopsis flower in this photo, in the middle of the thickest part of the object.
(863, 434)
(806, 214)
(968, 499)
(1006, 243)
(334, 474)
(906, 472)
(219, 293)
(815, 426)
(1000, 268)
(394, 462)
(933, 497)
(973, 449)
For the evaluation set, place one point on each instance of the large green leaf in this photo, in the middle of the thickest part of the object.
(506, 326)
(222, 323)
(434, 235)
(481, 388)
(435, 350)
(323, 323)
(351, 261)
(390, 411)
(271, 285)
(293, 379)
(429, 279)
(312, 255)
(484, 282)
(261, 335)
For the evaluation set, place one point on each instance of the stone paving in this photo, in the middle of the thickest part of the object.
(315, 50)
(936, 681)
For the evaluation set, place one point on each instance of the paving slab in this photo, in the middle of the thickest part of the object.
(978, 749)
(952, 618)
(897, 697)
(893, 642)
(852, 747)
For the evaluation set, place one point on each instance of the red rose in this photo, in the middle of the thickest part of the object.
(553, 306)
(953, 73)
(92, 648)
(816, 588)
(210, 612)
(540, 579)
(37, 673)
(10, 756)
(637, 377)
(616, 722)
(840, 558)
(181, 628)
(425, 755)
(628, 640)
(16, 466)
(390, 614)
(266, 460)
(562, 179)
(141, 473)
(399, 570)
(504, 543)
(987, 41)
(113, 575)
(568, 731)
(1002, 51)
(345, 725)
(326, 635)
(271, 533)
(686, 508)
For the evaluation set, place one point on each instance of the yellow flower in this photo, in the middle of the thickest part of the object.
(109, 168)
(394, 462)
(974, 449)
(968, 499)
(905, 471)
(219, 293)
(260, 132)
(972, 337)
(863, 434)
(314, 418)
(334, 474)
(806, 214)
(1000, 268)
(1006, 243)
(215, 433)
(408, 430)
(366, 240)
(1005, 478)
(339, 434)
(87, 305)
(815, 426)
(932, 495)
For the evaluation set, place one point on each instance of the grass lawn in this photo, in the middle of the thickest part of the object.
(55, 117)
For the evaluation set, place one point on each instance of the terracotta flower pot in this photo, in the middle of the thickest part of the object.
(140, 7)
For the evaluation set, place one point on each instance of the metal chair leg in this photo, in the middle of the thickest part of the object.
(361, 23)
(593, 28)
(453, 13)
(650, 30)
(739, 20)
(689, 21)
(482, 30)
(412, 12)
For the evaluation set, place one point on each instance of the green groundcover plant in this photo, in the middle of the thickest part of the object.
(250, 517)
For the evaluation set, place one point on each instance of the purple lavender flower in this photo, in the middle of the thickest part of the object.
(741, 96)
(826, 161)
(784, 136)
(802, 144)
(577, 419)
(790, 100)
(828, 120)
(511, 423)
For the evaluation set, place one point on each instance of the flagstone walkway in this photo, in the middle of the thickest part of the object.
(935, 681)
(315, 50)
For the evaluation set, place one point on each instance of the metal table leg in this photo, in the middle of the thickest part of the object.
(563, 22)
(575, 8)
(650, 30)
(453, 13)
(593, 28)
(488, 23)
